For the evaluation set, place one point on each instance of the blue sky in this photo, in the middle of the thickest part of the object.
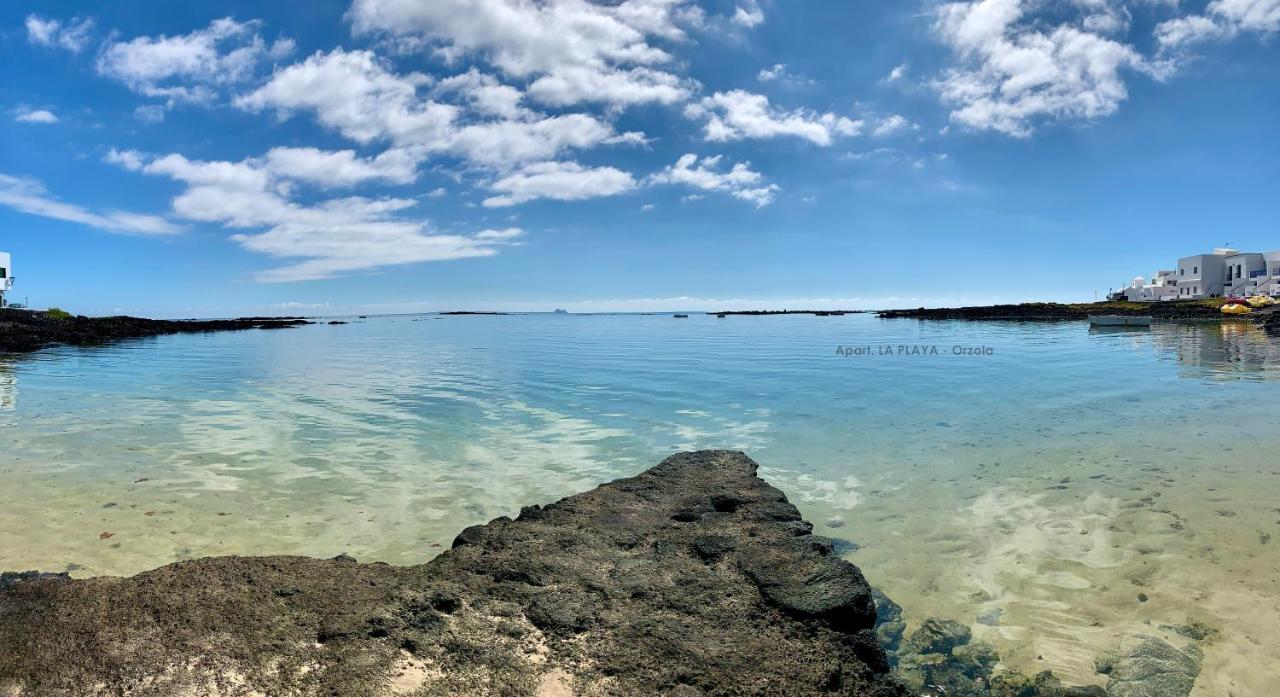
(399, 155)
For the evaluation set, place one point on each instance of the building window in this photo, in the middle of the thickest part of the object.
(1182, 271)
(4, 273)
(1195, 269)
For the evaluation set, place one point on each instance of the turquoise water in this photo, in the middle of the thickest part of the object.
(1037, 483)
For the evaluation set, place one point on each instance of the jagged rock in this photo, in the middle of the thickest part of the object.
(616, 591)
(1144, 666)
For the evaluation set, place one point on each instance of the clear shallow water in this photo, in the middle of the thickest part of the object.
(1033, 490)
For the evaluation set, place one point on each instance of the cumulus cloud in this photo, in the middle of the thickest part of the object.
(705, 174)
(24, 115)
(326, 238)
(359, 95)
(188, 67)
(356, 93)
(72, 36)
(1019, 68)
(1222, 19)
(738, 114)
(486, 94)
(561, 181)
(570, 52)
(341, 168)
(29, 196)
(748, 15)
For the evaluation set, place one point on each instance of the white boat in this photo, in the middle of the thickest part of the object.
(1119, 321)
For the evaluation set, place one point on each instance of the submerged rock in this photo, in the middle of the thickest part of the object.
(889, 624)
(693, 578)
(940, 659)
(1144, 666)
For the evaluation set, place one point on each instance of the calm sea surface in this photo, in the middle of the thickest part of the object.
(1032, 486)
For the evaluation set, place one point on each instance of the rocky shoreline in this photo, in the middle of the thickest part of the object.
(24, 331)
(693, 578)
(1179, 310)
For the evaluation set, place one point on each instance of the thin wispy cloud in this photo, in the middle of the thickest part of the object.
(27, 195)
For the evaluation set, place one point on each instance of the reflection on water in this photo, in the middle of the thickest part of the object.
(1065, 470)
(1228, 350)
(8, 385)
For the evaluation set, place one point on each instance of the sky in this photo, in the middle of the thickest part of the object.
(337, 156)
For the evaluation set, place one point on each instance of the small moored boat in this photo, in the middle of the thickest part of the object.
(1119, 321)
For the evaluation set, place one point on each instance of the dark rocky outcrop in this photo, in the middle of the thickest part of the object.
(1194, 309)
(693, 578)
(23, 331)
(1271, 323)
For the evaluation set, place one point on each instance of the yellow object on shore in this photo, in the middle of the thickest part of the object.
(1234, 309)
(1261, 301)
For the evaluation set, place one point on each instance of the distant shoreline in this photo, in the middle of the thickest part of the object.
(766, 313)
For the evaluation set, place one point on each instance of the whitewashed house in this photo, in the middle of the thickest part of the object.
(1222, 273)
(1203, 275)
(1163, 286)
(6, 276)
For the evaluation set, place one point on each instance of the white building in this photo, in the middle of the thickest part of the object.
(6, 276)
(1163, 286)
(1225, 272)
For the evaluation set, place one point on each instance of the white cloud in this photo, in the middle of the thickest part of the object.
(739, 114)
(342, 167)
(899, 71)
(561, 181)
(327, 238)
(24, 115)
(505, 234)
(740, 181)
(131, 160)
(778, 73)
(51, 33)
(571, 51)
(150, 113)
(1223, 19)
(486, 95)
(1018, 69)
(748, 15)
(188, 67)
(573, 85)
(891, 125)
(356, 93)
(29, 196)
